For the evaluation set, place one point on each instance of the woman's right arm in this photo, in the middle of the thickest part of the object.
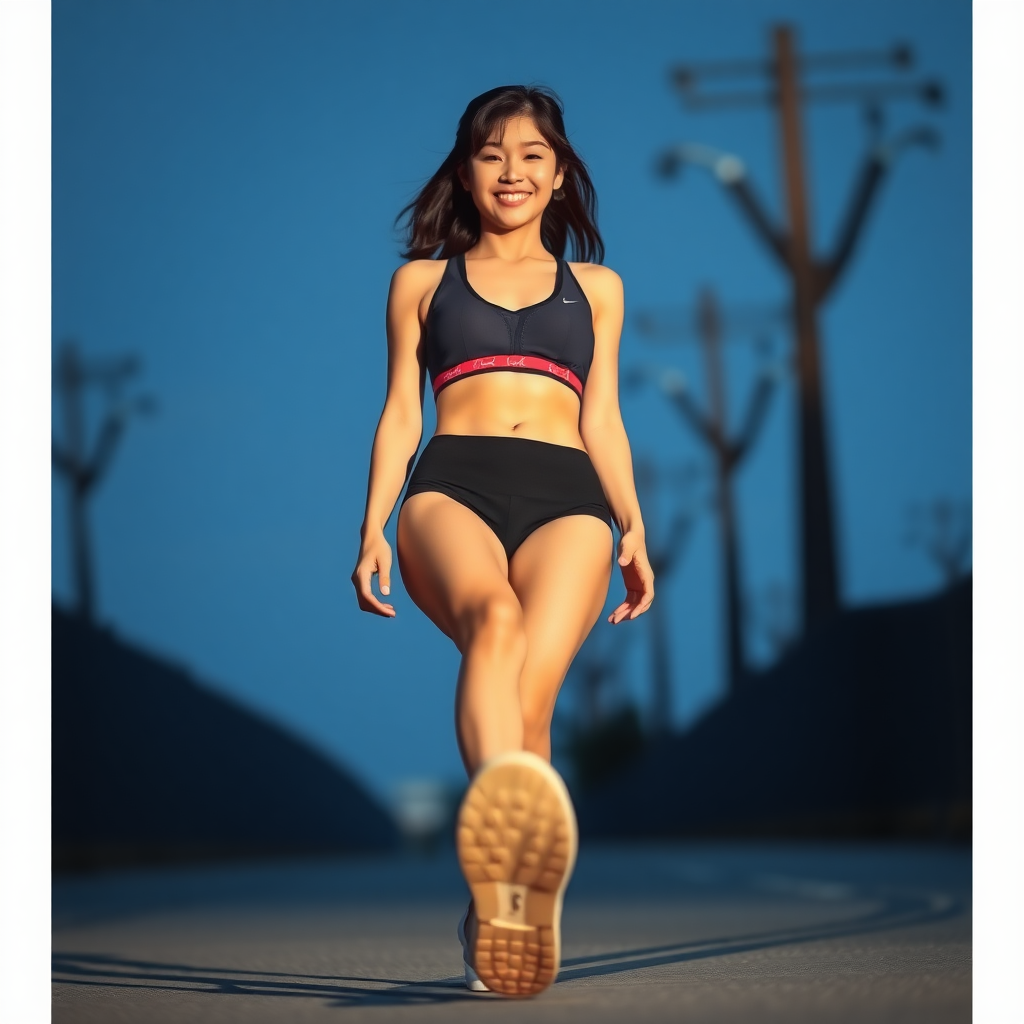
(398, 432)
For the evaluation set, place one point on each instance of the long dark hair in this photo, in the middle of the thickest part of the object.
(443, 216)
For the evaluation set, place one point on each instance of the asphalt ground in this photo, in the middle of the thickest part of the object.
(676, 932)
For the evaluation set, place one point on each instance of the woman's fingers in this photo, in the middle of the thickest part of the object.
(369, 603)
(634, 605)
(625, 608)
(365, 597)
(361, 580)
(619, 614)
(638, 577)
(642, 605)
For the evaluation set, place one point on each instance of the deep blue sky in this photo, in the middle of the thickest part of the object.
(225, 178)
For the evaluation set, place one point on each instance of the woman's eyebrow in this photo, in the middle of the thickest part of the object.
(534, 142)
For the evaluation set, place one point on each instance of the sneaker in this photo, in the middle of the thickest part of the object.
(473, 982)
(517, 843)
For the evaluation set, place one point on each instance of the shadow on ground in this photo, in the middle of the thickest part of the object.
(890, 911)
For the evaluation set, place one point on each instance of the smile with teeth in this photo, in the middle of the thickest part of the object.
(513, 197)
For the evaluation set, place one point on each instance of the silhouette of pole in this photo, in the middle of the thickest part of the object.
(775, 619)
(594, 671)
(70, 459)
(72, 463)
(820, 569)
(665, 554)
(726, 459)
(943, 531)
(661, 670)
(811, 280)
(728, 453)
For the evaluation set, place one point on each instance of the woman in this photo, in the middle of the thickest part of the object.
(504, 537)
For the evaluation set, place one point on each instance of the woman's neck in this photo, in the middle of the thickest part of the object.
(511, 246)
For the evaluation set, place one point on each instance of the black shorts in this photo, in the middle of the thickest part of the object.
(513, 484)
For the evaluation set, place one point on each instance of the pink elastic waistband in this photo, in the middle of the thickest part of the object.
(510, 363)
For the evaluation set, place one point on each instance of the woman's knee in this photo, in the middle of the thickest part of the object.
(494, 622)
(537, 712)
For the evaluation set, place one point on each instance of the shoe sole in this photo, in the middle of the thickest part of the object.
(517, 845)
(473, 982)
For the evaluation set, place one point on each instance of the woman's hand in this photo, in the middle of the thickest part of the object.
(374, 559)
(638, 577)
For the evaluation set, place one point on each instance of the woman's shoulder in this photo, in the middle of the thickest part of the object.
(599, 283)
(419, 270)
(417, 276)
(596, 271)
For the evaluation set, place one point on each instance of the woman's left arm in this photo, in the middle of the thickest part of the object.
(604, 434)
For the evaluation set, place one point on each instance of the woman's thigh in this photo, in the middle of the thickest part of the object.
(451, 561)
(560, 574)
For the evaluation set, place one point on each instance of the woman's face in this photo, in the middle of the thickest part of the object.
(511, 179)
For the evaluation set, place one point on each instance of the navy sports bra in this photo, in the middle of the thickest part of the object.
(466, 334)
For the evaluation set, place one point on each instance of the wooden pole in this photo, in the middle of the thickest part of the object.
(70, 377)
(820, 577)
(709, 330)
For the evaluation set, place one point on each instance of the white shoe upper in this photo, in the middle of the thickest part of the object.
(473, 982)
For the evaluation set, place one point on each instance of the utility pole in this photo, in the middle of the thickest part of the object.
(72, 460)
(811, 279)
(821, 576)
(942, 530)
(726, 458)
(665, 552)
(728, 452)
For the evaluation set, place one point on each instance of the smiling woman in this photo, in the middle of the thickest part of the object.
(504, 536)
(445, 218)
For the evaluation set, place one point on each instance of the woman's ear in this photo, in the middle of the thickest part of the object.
(559, 178)
(463, 176)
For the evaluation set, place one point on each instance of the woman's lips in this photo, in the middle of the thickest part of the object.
(512, 198)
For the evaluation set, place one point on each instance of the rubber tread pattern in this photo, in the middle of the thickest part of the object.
(517, 834)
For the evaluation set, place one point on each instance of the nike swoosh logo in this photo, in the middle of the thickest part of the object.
(569, 302)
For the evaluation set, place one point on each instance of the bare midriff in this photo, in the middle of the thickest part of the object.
(509, 404)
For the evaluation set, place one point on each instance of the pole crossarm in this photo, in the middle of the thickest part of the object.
(757, 409)
(899, 56)
(71, 457)
(62, 461)
(929, 92)
(110, 435)
(730, 172)
(665, 556)
(702, 425)
(874, 167)
(733, 450)
(773, 237)
(673, 325)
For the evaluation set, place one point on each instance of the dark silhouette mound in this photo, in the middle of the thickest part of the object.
(148, 766)
(862, 730)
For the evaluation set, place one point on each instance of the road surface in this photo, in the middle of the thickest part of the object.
(689, 932)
